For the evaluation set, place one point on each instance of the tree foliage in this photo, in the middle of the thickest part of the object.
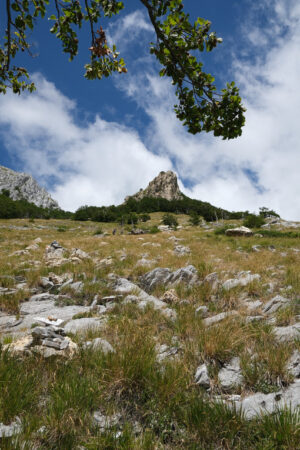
(178, 41)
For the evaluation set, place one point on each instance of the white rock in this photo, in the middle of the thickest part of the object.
(202, 377)
(218, 317)
(100, 344)
(287, 334)
(230, 375)
(242, 279)
(275, 304)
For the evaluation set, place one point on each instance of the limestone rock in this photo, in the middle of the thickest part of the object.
(275, 304)
(293, 365)
(165, 185)
(218, 317)
(239, 231)
(99, 344)
(202, 377)
(242, 279)
(13, 428)
(287, 334)
(181, 250)
(21, 185)
(258, 404)
(84, 324)
(164, 276)
(230, 375)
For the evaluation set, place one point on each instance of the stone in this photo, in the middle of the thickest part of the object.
(213, 280)
(170, 297)
(275, 304)
(84, 324)
(15, 427)
(201, 376)
(287, 334)
(242, 279)
(258, 404)
(124, 286)
(99, 344)
(256, 248)
(252, 305)
(77, 253)
(181, 250)
(143, 262)
(165, 352)
(239, 231)
(106, 422)
(218, 317)
(164, 276)
(76, 287)
(293, 365)
(164, 228)
(165, 185)
(230, 376)
(23, 186)
(202, 311)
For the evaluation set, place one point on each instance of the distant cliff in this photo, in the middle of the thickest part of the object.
(23, 186)
(165, 185)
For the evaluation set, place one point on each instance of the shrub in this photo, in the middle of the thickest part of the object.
(253, 221)
(194, 218)
(170, 220)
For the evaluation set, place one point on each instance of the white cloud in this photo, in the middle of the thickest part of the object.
(97, 164)
(262, 167)
(101, 162)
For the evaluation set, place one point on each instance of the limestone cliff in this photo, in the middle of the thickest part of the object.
(23, 186)
(165, 185)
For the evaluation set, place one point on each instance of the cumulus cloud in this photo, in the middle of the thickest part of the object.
(262, 167)
(100, 162)
(96, 163)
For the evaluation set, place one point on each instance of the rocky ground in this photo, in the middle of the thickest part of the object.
(180, 339)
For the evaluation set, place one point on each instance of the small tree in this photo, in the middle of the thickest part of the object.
(194, 218)
(170, 220)
(253, 221)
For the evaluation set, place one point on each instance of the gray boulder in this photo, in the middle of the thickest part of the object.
(293, 365)
(99, 344)
(230, 376)
(84, 324)
(12, 429)
(275, 304)
(287, 334)
(242, 279)
(239, 231)
(218, 317)
(164, 276)
(201, 377)
(258, 404)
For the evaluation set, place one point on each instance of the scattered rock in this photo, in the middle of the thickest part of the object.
(275, 304)
(230, 376)
(84, 324)
(104, 422)
(170, 297)
(242, 279)
(218, 317)
(257, 404)
(213, 280)
(239, 231)
(293, 365)
(161, 276)
(181, 250)
(12, 429)
(201, 377)
(99, 344)
(287, 334)
(165, 352)
(202, 311)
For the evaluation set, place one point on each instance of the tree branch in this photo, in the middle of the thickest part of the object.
(8, 33)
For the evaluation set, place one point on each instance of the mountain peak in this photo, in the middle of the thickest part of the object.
(23, 186)
(165, 185)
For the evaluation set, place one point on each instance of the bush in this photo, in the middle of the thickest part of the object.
(253, 221)
(194, 218)
(170, 220)
(144, 217)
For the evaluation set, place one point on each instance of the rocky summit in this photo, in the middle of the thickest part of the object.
(165, 185)
(23, 186)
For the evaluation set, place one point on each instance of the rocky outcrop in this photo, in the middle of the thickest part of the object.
(23, 186)
(165, 185)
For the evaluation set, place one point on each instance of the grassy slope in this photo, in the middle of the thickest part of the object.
(172, 411)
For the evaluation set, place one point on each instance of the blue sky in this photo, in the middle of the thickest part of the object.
(96, 142)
